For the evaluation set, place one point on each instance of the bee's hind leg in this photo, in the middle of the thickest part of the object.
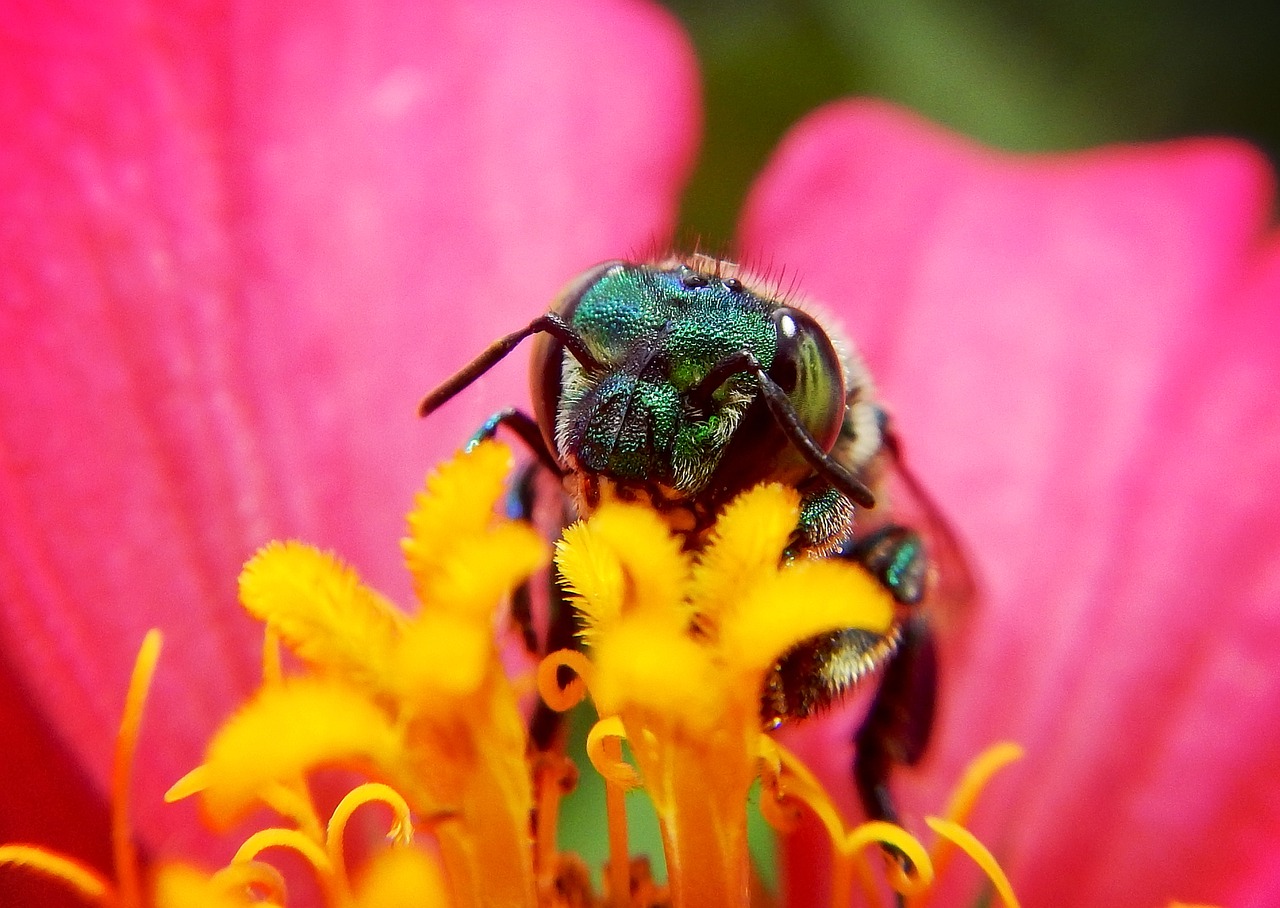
(897, 727)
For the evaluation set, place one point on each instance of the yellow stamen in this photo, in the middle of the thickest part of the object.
(81, 878)
(319, 607)
(124, 853)
(787, 779)
(563, 699)
(454, 535)
(254, 876)
(295, 841)
(286, 731)
(401, 832)
(967, 842)
(965, 797)
(618, 870)
(744, 549)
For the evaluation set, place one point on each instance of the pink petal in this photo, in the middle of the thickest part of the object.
(241, 242)
(1078, 350)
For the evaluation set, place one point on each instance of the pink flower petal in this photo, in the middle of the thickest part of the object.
(1081, 353)
(241, 242)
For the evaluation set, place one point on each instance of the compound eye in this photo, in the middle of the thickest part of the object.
(808, 369)
(548, 353)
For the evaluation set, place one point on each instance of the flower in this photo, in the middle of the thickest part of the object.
(242, 242)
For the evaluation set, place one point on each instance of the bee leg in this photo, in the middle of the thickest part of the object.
(898, 725)
(519, 506)
(896, 729)
(546, 724)
(526, 429)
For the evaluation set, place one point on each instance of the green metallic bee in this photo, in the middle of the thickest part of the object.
(684, 382)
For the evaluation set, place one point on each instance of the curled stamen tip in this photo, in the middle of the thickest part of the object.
(614, 769)
(192, 783)
(562, 699)
(914, 873)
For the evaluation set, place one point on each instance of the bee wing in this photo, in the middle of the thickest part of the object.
(953, 591)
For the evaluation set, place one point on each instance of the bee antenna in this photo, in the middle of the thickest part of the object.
(493, 354)
(784, 414)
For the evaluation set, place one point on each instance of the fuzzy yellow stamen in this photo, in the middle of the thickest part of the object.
(680, 646)
(322, 611)
(287, 731)
(460, 557)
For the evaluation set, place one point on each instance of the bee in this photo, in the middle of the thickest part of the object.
(685, 381)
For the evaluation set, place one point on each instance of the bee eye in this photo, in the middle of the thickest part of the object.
(807, 367)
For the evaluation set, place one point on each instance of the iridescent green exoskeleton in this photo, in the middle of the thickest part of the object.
(686, 381)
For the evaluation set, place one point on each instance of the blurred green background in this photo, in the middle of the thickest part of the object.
(1028, 76)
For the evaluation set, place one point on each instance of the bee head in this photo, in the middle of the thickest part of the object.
(693, 381)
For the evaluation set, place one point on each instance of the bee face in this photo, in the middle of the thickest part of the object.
(670, 402)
